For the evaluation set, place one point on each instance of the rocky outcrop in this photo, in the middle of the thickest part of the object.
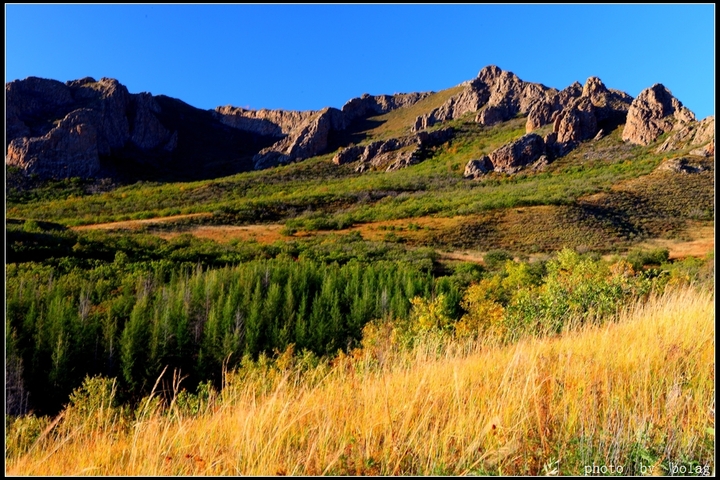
(394, 153)
(546, 111)
(471, 99)
(541, 113)
(680, 165)
(264, 122)
(63, 130)
(654, 112)
(68, 150)
(693, 133)
(134, 127)
(147, 131)
(577, 122)
(307, 140)
(478, 167)
(306, 134)
(33, 104)
(370, 105)
(496, 95)
(510, 158)
(514, 156)
(583, 118)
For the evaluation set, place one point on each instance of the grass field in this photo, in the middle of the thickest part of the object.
(636, 394)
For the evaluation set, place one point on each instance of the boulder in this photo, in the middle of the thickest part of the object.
(479, 167)
(514, 156)
(654, 112)
(680, 165)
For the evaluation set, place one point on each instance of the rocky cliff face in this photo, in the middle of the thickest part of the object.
(91, 128)
(496, 95)
(370, 105)
(63, 130)
(394, 153)
(597, 109)
(265, 122)
(693, 134)
(654, 112)
(306, 140)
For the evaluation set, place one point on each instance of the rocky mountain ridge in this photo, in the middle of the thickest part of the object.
(88, 128)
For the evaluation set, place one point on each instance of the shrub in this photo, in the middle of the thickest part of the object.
(640, 258)
(494, 259)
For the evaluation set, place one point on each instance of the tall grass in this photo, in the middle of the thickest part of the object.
(637, 393)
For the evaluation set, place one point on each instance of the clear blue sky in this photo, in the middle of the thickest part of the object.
(306, 57)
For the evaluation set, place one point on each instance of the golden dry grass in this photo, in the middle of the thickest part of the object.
(595, 395)
(136, 224)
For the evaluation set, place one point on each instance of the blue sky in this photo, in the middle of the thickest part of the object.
(306, 57)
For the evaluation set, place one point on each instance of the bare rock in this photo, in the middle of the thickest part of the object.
(540, 164)
(654, 112)
(492, 115)
(576, 122)
(276, 123)
(147, 131)
(680, 165)
(32, 105)
(594, 87)
(394, 153)
(65, 128)
(514, 156)
(370, 105)
(705, 131)
(348, 154)
(68, 150)
(501, 92)
(597, 110)
(692, 133)
(541, 113)
(705, 151)
(304, 142)
(478, 168)
(474, 95)
(570, 93)
(111, 100)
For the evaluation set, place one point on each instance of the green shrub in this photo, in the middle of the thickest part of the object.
(494, 259)
(641, 258)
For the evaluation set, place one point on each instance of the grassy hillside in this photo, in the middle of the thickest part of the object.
(605, 191)
(636, 395)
